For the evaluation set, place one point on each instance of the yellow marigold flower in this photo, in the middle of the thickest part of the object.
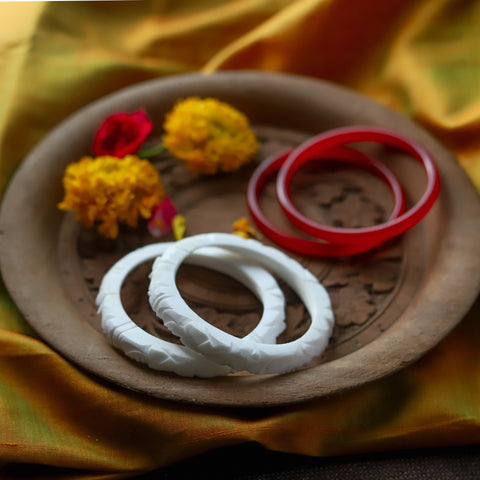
(209, 135)
(242, 228)
(109, 190)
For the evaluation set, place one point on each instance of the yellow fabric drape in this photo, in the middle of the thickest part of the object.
(419, 57)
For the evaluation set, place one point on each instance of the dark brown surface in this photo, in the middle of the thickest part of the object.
(391, 306)
(422, 464)
(251, 462)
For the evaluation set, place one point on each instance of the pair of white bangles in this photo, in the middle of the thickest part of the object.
(208, 351)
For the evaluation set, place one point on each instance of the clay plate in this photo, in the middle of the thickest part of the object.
(391, 305)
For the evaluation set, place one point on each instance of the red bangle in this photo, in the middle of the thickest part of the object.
(312, 247)
(365, 235)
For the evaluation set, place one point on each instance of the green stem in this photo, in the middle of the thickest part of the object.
(152, 151)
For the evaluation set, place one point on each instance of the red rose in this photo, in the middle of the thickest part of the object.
(122, 133)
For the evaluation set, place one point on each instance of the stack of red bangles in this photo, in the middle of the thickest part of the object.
(333, 241)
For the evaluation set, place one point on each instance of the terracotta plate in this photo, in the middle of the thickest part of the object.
(391, 306)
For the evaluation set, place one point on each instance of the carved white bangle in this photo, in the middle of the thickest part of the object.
(219, 346)
(159, 354)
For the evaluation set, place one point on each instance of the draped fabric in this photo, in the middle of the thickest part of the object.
(418, 57)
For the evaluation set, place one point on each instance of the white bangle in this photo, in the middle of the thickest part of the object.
(219, 346)
(159, 354)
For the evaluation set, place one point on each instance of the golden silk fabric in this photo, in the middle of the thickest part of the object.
(421, 58)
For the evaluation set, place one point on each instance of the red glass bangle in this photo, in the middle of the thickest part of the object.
(313, 247)
(354, 236)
